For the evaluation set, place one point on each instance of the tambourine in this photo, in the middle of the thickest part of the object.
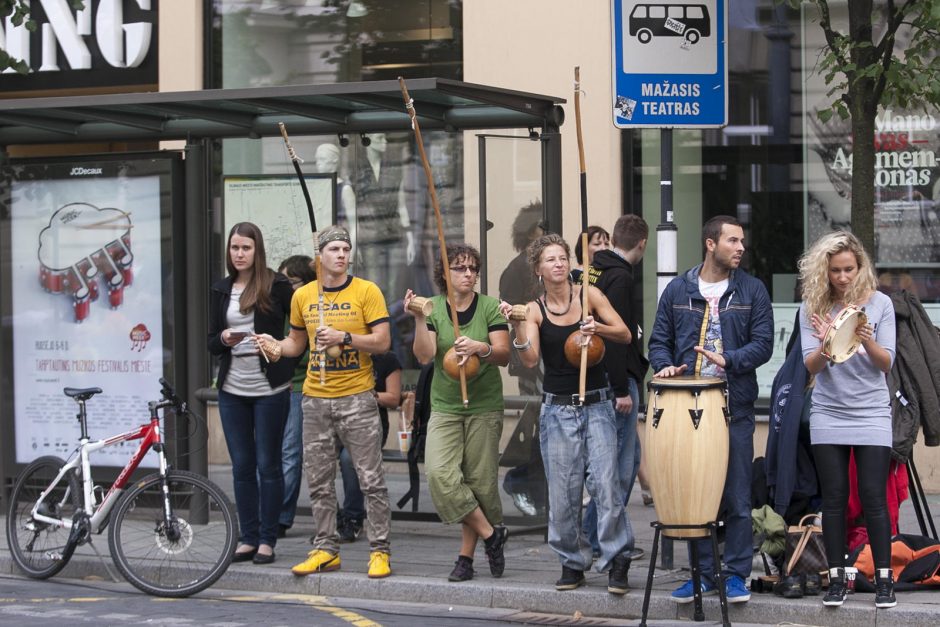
(841, 341)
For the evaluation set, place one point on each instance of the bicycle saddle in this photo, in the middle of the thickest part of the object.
(81, 394)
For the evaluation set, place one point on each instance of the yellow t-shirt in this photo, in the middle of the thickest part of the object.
(355, 306)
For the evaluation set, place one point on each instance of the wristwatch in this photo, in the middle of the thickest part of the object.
(347, 338)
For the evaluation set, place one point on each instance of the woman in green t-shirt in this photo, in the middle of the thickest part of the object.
(462, 448)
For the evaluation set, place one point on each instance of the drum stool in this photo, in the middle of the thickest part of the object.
(698, 614)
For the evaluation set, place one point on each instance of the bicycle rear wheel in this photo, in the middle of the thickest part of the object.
(180, 558)
(41, 549)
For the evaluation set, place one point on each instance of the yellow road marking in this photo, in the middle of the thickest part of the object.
(315, 601)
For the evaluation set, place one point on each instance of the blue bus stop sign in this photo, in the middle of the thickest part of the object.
(670, 63)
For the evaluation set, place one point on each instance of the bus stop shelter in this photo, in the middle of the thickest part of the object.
(199, 117)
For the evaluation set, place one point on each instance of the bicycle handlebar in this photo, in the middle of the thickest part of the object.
(170, 399)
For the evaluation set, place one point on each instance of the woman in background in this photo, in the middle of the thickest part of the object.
(299, 271)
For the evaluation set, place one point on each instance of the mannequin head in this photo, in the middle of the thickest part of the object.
(378, 142)
(327, 158)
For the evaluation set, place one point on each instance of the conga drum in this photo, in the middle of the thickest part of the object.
(686, 450)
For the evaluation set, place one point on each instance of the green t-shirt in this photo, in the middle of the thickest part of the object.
(485, 391)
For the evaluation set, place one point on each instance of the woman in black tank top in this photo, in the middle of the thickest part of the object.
(577, 439)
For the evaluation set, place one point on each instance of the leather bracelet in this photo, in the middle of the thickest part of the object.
(488, 352)
(523, 346)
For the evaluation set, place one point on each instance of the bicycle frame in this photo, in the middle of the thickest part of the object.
(151, 434)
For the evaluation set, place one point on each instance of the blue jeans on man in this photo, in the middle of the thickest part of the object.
(292, 460)
(579, 443)
(628, 463)
(736, 503)
(254, 430)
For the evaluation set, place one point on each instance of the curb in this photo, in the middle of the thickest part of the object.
(591, 600)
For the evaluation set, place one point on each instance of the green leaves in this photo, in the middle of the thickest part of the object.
(18, 12)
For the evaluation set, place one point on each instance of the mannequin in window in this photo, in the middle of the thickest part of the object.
(327, 162)
(386, 243)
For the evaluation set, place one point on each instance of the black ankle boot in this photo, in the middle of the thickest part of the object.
(884, 588)
(835, 597)
(570, 579)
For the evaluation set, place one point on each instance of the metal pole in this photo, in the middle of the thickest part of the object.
(667, 234)
(195, 268)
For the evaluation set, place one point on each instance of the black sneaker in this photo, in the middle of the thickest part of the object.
(570, 579)
(349, 530)
(884, 588)
(837, 592)
(494, 546)
(463, 569)
(617, 577)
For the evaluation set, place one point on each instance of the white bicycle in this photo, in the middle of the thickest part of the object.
(172, 534)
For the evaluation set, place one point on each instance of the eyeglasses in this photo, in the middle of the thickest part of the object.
(462, 269)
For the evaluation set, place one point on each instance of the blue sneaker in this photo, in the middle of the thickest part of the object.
(684, 594)
(735, 590)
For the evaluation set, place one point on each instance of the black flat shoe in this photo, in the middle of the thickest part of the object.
(244, 556)
(261, 558)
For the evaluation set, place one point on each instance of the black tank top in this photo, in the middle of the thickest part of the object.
(560, 376)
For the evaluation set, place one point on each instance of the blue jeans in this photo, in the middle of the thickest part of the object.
(292, 458)
(736, 503)
(254, 432)
(578, 443)
(628, 458)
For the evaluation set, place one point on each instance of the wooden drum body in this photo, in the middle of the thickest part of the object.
(686, 450)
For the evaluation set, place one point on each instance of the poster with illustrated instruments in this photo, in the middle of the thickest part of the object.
(88, 278)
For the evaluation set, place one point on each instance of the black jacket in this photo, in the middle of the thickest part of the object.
(612, 275)
(273, 323)
(914, 380)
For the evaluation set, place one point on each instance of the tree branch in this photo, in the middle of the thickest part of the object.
(825, 22)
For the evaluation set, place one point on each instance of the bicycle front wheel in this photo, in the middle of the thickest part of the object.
(179, 556)
(41, 549)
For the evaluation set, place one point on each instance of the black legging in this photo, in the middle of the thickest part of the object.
(871, 464)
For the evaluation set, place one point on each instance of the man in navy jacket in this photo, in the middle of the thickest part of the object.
(716, 320)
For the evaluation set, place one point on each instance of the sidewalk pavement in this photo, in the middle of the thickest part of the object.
(423, 554)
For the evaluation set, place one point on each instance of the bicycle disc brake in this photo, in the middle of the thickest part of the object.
(174, 538)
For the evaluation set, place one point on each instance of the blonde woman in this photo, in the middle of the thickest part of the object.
(851, 410)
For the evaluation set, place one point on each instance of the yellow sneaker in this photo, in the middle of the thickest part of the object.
(318, 561)
(378, 565)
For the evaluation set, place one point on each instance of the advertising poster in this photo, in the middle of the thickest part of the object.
(276, 204)
(907, 178)
(87, 303)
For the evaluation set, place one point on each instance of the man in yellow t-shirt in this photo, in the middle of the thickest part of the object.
(344, 408)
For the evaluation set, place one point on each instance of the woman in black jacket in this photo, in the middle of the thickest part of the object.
(254, 395)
